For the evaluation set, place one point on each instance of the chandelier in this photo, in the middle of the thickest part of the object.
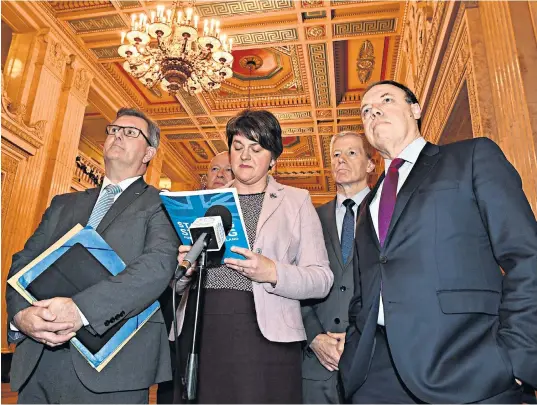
(182, 56)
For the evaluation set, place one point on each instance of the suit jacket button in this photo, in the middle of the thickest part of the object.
(117, 317)
(383, 259)
(337, 321)
(122, 313)
(342, 288)
(112, 320)
(106, 323)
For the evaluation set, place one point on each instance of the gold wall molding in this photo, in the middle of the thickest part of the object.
(13, 116)
(449, 80)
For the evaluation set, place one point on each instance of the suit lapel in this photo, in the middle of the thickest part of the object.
(368, 219)
(331, 227)
(126, 198)
(85, 202)
(274, 194)
(426, 161)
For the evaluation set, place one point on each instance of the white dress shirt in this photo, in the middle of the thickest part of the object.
(410, 155)
(123, 184)
(341, 209)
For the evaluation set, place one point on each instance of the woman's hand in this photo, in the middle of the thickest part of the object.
(256, 266)
(183, 250)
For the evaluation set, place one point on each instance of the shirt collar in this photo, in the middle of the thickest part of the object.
(410, 153)
(124, 184)
(357, 198)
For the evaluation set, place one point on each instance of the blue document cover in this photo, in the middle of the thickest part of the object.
(184, 207)
(96, 246)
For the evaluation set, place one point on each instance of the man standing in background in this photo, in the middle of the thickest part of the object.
(326, 319)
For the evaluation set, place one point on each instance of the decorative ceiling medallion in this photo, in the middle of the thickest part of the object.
(365, 62)
(325, 130)
(251, 60)
(316, 32)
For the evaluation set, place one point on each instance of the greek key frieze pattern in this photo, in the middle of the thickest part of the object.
(175, 122)
(266, 37)
(178, 137)
(293, 115)
(230, 8)
(365, 27)
(348, 112)
(294, 131)
(107, 52)
(104, 23)
(356, 127)
(319, 71)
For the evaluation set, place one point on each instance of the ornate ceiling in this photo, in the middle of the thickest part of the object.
(316, 58)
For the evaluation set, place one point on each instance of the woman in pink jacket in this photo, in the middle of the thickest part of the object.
(252, 326)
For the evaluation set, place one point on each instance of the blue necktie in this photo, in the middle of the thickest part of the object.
(347, 231)
(103, 205)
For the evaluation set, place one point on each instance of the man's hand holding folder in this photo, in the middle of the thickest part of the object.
(43, 325)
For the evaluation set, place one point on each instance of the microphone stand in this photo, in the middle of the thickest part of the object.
(191, 374)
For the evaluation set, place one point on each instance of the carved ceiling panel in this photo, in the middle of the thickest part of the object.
(316, 57)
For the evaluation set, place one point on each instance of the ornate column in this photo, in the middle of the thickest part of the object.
(19, 143)
(65, 136)
(509, 56)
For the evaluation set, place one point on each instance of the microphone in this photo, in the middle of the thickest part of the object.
(208, 232)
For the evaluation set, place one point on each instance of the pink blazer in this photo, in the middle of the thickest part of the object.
(288, 232)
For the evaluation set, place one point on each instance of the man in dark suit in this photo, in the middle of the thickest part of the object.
(130, 217)
(218, 175)
(435, 320)
(325, 320)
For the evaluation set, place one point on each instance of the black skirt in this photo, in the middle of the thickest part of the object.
(237, 364)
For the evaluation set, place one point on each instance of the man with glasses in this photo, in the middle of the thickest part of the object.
(128, 214)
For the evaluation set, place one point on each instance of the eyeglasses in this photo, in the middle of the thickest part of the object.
(131, 132)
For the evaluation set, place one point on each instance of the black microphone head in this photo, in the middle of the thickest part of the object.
(222, 212)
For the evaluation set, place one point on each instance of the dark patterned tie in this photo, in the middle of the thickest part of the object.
(388, 197)
(103, 205)
(347, 230)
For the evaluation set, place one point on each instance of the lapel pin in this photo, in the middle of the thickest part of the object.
(273, 195)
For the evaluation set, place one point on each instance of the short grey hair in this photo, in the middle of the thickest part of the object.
(152, 127)
(368, 149)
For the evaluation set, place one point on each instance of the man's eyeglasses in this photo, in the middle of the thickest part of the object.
(131, 132)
